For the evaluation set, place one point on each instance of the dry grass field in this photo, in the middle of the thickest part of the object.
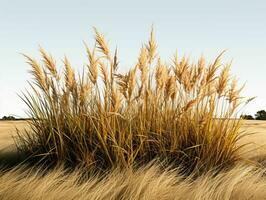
(244, 181)
(255, 138)
(103, 134)
(8, 130)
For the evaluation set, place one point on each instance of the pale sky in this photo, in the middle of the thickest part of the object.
(191, 27)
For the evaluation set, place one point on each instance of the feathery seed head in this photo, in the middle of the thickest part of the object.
(104, 73)
(161, 75)
(116, 99)
(69, 75)
(151, 47)
(170, 87)
(49, 63)
(37, 72)
(101, 43)
(115, 61)
(143, 65)
(223, 80)
(131, 81)
(92, 66)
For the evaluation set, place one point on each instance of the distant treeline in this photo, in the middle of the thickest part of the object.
(11, 118)
(260, 115)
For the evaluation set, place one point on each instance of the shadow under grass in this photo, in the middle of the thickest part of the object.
(11, 158)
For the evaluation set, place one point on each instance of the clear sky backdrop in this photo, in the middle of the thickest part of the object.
(191, 27)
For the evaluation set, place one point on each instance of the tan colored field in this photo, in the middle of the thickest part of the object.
(8, 130)
(242, 182)
(255, 138)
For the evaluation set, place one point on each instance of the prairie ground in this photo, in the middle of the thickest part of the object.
(8, 131)
(254, 139)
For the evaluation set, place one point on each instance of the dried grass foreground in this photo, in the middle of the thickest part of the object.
(150, 183)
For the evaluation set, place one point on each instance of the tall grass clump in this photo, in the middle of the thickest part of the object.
(181, 112)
